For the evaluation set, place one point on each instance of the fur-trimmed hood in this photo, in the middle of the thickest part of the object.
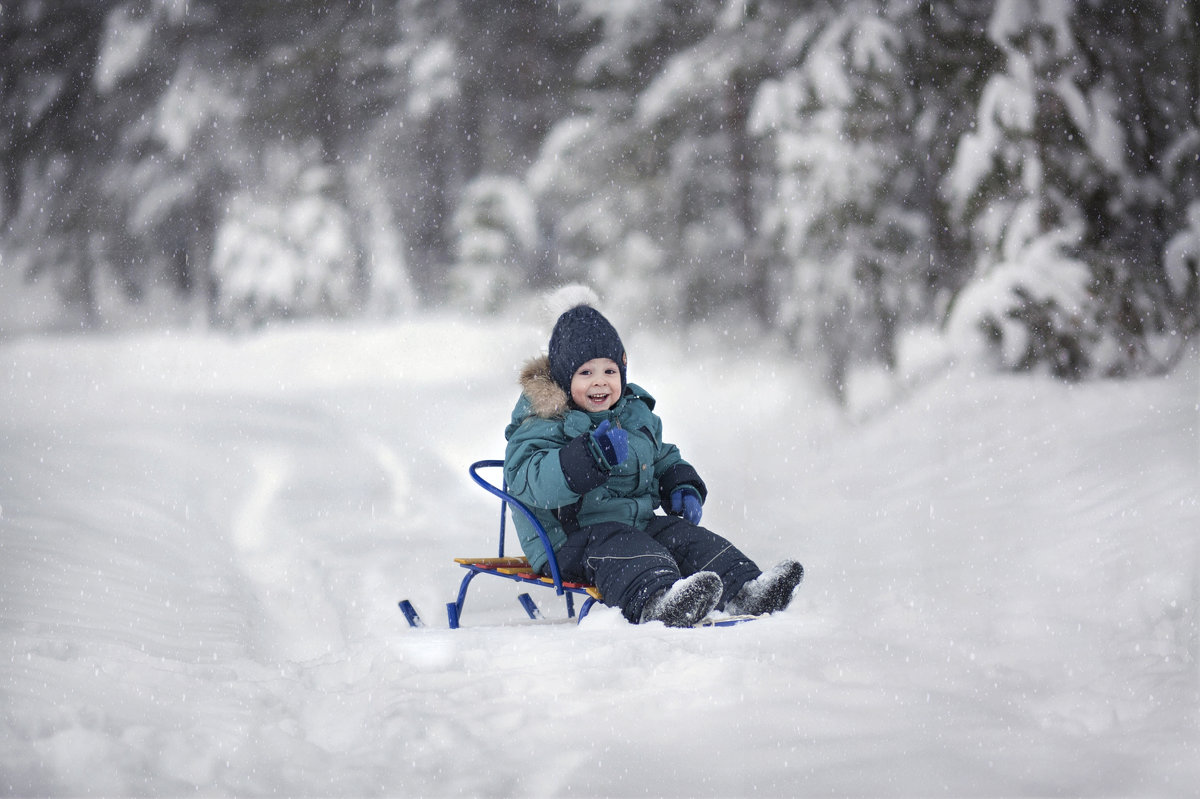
(546, 398)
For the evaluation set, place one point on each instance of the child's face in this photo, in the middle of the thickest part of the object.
(596, 385)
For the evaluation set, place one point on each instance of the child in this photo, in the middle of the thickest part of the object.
(585, 454)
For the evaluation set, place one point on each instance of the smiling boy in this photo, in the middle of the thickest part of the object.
(585, 453)
(596, 385)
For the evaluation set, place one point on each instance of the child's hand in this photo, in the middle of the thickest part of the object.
(613, 443)
(685, 502)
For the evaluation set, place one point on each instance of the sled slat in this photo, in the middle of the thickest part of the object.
(495, 563)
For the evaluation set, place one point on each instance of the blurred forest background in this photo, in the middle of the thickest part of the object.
(1025, 173)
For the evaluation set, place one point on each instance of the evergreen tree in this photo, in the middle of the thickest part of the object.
(838, 121)
(497, 234)
(948, 59)
(1148, 58)
(1027, 169)
(710, 169)
(1047, 149)
(619, 182)
(484, 83)
(53, 113)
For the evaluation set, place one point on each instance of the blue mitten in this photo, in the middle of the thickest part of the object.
(685, 502)
(613, 443)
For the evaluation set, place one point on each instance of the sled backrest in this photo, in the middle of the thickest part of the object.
(518, 507)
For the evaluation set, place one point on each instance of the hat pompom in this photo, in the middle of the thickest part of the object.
(563, 299)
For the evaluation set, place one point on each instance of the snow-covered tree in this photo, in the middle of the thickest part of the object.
(710, 169)
(497, 236)
(167, 113)
(610, 185)
(1047, 147)
(598, 212)
(836, 122)
(285, 249)
(1181, 262)
(1148, 56)
(52, 113)
(482, 85)
(948, 59)
(1023, 168)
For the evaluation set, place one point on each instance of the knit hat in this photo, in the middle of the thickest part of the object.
(581, 334)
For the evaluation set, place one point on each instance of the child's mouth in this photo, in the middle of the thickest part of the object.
(597, 399)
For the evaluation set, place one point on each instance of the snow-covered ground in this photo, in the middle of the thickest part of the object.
(203, 540)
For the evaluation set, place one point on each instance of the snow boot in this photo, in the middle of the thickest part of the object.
(686, 602)
(769, 592)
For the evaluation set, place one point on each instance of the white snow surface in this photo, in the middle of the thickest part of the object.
(203, 541)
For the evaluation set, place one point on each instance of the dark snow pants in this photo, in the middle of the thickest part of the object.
(630, 565)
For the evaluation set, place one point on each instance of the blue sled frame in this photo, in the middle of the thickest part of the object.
(517, 568)
(478, 566)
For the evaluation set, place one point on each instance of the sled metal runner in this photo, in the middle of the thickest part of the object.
(517, 568)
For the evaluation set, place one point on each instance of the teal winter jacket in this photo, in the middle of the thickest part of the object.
(550, 467)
